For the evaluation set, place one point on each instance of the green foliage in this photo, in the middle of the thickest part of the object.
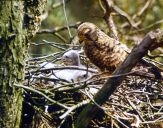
(90, 10)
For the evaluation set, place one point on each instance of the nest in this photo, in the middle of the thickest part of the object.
(51, 103)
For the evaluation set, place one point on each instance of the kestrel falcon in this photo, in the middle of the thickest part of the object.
(102, 50)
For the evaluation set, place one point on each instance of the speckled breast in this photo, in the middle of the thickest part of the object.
(104, 57)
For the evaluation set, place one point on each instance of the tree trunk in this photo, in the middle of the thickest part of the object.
(14, 34)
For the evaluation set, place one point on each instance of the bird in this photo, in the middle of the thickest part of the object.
(71, 58)
(103, 51)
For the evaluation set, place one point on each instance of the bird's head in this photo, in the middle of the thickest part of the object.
(71, 58)
(87, 32)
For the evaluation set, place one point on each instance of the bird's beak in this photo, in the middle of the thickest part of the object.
(81, 41)
(64, 61)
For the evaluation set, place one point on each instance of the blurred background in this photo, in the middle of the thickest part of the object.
(146, 14)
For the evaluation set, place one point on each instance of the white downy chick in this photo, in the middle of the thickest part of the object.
(71, 58)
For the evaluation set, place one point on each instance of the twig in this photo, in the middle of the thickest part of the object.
(59, 36)
(54, 45)
(134, 107)
(56, 5)
(44, 57)
(155, 56)
(101, 6)
(42, 94)
(147, 27)
(143, 9)
(160, 119)
(73, 108)
(65, 67)
(108, 18)
(139, 14)
(125, 15)
(58, 29)
(136, 121)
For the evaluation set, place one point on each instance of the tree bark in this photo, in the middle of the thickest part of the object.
(153, 38)
(14, 36)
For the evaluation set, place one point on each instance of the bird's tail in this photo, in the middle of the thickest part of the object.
(148, 69)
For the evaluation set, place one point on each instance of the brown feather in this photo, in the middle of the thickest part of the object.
(103, 51)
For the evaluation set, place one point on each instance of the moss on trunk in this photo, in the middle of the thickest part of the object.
(14, 36)
(12, 62)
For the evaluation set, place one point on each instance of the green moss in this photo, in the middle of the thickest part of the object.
(12, 60)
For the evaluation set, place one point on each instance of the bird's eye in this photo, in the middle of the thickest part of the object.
(85, 75)
(91, 35)
(66, 56)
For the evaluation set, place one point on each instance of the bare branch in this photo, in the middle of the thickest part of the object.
(42, 94)
(58, 29)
